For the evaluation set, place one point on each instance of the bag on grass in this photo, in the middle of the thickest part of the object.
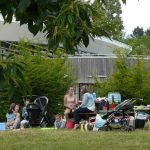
(99, 122)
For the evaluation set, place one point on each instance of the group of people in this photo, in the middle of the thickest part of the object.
(87, 106)
(14, 119)
(71, 106)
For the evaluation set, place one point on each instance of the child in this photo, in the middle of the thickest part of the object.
(13, 117)
(147, 123)
(59, 122)
(25, 122)
(24, 110)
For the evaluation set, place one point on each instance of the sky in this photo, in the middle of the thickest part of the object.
(136, 13)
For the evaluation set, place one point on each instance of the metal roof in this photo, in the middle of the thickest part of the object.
(104, 46)
(100, 45)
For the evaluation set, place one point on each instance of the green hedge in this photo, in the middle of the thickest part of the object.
(39, 75)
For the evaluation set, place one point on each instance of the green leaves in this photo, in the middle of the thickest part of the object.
(124, 1)
(65, 22)
(11, 76)
(108, 19)
(130, 78)
(26, 75)
(23, 5)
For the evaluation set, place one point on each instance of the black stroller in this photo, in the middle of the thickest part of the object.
(119, 118)
(37, 111)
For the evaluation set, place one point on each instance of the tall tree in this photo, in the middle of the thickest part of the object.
(66, 22)
(140, 42)
(111, 19)
(138, 32)
(147, 32)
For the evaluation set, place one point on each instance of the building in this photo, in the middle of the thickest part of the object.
(103, 46)
(94, 61)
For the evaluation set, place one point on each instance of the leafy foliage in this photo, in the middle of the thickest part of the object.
(11, 76)
(140, 45)
(138, 32)
(111, 19)
(130, 79)
(39, 75)
(140, 41)
(64, 22)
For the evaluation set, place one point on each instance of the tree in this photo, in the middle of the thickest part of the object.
(147, 32)
(140, 45)
(37, 75)
(138, 32)
(130, 79)
(66, 22)
(111, 20)
(11, 76)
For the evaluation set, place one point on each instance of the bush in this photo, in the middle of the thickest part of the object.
(40, 76)
(131, 80)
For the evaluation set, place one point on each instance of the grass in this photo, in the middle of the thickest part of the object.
(37, 139)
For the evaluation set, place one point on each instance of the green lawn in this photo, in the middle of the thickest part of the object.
(37, 139)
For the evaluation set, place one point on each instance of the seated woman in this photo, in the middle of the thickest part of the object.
(87, 106)
(13, 117)
(69, 102)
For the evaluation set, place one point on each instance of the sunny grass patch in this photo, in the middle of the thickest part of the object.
(37, 139)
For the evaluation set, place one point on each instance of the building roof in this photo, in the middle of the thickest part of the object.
(15, 32)
(99, 46)
(104, 46)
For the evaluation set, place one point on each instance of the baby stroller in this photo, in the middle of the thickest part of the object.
(37, 111)
(120, 117)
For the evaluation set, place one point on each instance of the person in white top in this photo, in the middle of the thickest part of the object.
(69, 102)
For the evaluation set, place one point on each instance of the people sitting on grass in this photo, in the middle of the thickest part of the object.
(25, 122)
(87, 106)
(13, 117)
(69, 102)
(59, 122)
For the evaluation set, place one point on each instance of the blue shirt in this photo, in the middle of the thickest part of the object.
(88, 101)
(10, 117)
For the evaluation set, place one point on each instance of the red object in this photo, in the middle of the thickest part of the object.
(69, 124)
(112, 106)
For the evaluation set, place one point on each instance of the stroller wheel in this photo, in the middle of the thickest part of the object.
(127, 128)
(43, 125)
(105, 128)
(131, 128)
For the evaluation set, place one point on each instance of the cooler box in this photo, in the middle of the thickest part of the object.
(69, 124)
(2, 126)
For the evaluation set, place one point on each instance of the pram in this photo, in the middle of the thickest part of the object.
(120, 117)
(37, 111)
